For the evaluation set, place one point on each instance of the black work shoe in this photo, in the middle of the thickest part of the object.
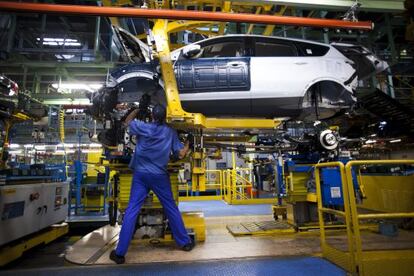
(117, 259)
(189, 246)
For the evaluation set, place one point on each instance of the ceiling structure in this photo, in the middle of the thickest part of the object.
(42, 51)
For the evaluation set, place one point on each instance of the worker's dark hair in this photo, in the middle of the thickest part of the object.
(159, 113)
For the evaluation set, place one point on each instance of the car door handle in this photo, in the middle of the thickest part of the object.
(301, 63)
(234, 64)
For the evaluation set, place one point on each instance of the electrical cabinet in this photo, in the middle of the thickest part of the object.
(28, 208)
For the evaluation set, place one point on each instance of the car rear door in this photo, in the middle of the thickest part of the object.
(217, 81)
(279, 76)
(283, 70)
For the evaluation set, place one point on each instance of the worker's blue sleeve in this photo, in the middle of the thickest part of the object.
(137, 127)
(176, 143)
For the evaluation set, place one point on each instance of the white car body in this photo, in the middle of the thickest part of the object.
(312, 76)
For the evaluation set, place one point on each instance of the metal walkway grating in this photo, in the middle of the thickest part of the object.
(263, 227)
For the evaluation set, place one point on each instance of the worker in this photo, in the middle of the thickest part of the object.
(155, 142)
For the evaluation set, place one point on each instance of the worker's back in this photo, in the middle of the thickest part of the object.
(155, 142)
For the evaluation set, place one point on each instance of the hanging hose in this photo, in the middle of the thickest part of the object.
(62, 125)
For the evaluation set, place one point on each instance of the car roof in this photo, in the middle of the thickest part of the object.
(263, 36)
(250, 35)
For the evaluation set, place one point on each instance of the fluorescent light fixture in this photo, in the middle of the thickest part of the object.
(64, 57)
(395, 141)
(59, 41)
(66, 101)
(14, 146)
(28, 146)
(95, 145)
(91, 151)
(373, 135)
(15, 151)
(91, 87)
(370, 141)
(40, 147)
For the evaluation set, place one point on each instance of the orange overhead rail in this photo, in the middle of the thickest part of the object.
(183, 15)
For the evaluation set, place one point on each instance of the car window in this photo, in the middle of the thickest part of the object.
(274, 48)
(223, 49)
(309, 49)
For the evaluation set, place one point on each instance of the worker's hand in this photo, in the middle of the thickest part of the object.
(131, 115)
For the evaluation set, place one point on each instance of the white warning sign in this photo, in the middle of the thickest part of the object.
(335, 192)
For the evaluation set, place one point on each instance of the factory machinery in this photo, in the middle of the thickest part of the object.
(33, 207)
(32, 197)
(35, 196)
(315, 181)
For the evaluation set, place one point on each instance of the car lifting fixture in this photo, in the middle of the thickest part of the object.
(161, 30)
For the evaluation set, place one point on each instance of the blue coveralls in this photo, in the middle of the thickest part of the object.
(154, 145)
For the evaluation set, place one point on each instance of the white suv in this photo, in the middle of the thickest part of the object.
(253, 76)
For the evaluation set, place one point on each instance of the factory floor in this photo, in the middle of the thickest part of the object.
(220, 254)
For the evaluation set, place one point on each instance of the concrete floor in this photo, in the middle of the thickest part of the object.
(220, 244)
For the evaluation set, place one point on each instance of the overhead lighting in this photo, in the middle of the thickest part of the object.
(14, 146)
(64, 57)
(91, 87)
(395, 141)
(95, 145)
(40, 147)
(15, 151)
(370, 141)
(59, 41)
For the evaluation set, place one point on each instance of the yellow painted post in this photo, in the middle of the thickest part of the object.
(221, 183)
(355, 221)
(346, 213)
(320, 206)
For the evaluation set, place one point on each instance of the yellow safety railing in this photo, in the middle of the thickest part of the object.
(212, 183)
(355, 259)
(363, 259)
(236, 185)
(328, 251)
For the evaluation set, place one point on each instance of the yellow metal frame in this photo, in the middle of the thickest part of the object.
(235, 186)
(217, 185)
(175, 112)
(355, 260)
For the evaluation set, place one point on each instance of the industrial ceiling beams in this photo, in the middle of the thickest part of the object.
(367, 5)
(183, 15)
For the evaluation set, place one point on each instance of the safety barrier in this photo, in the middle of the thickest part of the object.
(238, 188)
(355, 259)
(214, 182)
